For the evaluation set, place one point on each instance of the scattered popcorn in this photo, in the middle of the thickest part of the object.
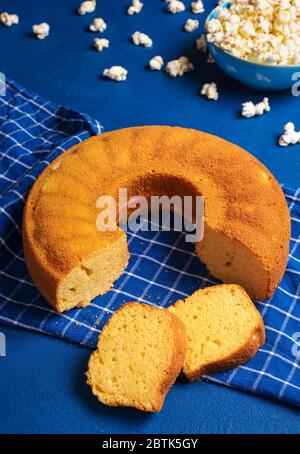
(210, 59)
(178, 67)
(117, 73)
(156, 63)
(249, 109)
(262, 31)
(290, 136)
(201, 44)
(98, 25)
(175, 6)
(87, 7)
(191, 25)
(135, 8)
(198, 7)
(9, 19)
(100, 44)
(41, 30)
(210, 91)
(141, 39)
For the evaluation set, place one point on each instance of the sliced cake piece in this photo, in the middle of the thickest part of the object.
(223, 327)
(140, 352)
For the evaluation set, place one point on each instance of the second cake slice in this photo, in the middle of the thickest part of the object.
(223, 327)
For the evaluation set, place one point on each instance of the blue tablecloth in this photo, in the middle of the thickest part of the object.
(162, 267)
(42, 383)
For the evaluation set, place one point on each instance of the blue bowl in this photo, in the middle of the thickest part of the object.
(255, 75)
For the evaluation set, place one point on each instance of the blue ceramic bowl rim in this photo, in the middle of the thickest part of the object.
(209, 17)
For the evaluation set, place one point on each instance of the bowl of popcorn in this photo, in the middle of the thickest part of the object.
(257, 42)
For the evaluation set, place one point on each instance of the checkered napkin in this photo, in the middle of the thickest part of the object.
(162, 267)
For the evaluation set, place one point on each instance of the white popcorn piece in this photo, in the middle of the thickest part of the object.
(9, 19)
(218, 37)
(135, 8)
(210, 59)
(247, 29)
(98, 25)
(191, 25)
(263, 24)
(201, 44)
(175, 6)
(100, 44)
(41, 30)
(290, 136)
(213, 26)
(210, 38)
(178, 67)
(270, 59)
(262, 31)
(198, 7)
(249, 109)
(156, 63)
(87, 7)
(224, 14)
(210, 91)
(117, 73)
(141, 39)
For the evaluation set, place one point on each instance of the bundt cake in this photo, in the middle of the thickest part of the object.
(141, 351)
(247, 226)
(224, 329)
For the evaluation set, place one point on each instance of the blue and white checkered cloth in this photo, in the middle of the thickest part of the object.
(162, 267)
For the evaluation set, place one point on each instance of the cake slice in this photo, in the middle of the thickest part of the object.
(223, 327)
(140, 352)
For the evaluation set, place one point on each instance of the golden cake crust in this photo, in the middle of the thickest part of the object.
(255, 339)
(243, 201)
(170, 367)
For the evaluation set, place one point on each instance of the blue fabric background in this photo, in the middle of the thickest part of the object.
(65, 69)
